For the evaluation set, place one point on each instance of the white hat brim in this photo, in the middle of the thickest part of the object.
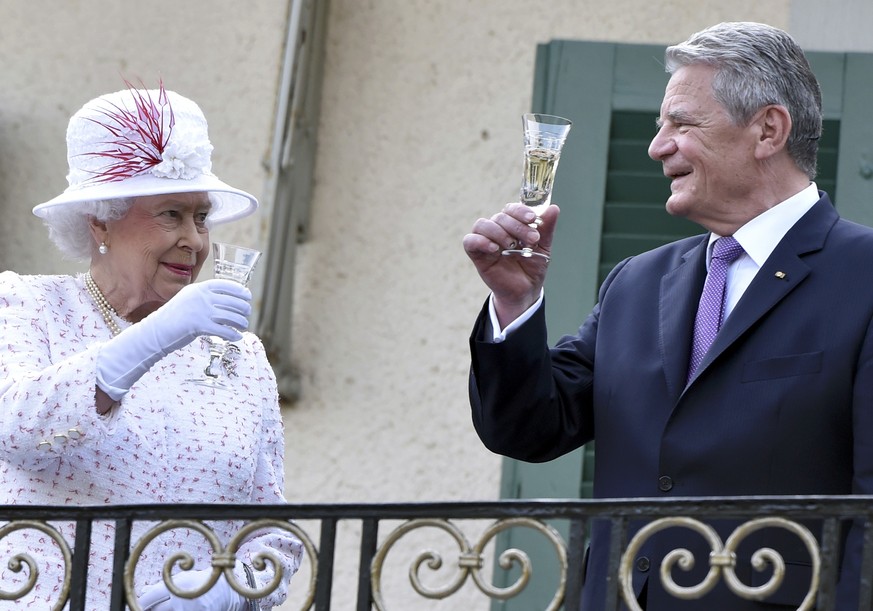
(228, 203)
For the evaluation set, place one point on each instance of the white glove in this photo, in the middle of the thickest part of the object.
(221, 597)
(214, 307)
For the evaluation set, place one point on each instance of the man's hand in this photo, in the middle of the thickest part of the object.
(515, 281)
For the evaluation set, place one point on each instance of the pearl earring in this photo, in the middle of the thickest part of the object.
(103, 248)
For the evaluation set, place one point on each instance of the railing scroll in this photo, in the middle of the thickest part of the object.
(21, 560)
(722, 561)
(471, 561)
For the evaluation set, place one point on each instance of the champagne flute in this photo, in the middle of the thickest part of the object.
(544, 137)
(231, 262)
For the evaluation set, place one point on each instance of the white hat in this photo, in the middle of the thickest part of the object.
(138, 142)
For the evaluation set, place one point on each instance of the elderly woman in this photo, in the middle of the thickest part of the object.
(96, 399)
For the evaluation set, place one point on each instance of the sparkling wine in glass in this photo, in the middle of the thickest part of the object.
(544, 137)
(231, 262)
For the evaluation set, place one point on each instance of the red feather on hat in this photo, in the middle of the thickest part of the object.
(139, 135)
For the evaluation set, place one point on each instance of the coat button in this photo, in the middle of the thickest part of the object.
(665, 483)
(643, 564)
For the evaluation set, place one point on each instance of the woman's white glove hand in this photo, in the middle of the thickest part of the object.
(221, 597)
(213, 307)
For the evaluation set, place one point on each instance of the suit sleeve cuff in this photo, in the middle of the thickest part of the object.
(499, 335)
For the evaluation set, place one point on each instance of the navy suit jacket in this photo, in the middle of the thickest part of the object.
(781, 404)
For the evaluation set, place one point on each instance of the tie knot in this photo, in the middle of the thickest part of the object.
(726, 249)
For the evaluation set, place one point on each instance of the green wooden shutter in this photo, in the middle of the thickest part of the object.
(612, 198)
(634, 219)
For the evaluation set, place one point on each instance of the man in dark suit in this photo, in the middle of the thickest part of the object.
(781, 402)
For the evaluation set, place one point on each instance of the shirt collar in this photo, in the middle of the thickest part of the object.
(760, 236)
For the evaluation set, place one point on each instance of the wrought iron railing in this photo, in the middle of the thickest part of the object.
(472, 561)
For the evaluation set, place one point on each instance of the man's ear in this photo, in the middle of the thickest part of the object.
(773, 126)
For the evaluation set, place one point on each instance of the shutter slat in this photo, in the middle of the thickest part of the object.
(634, 219)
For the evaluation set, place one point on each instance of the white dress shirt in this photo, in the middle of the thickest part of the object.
(759, 238)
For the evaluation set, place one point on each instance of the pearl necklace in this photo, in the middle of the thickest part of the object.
(106, 310)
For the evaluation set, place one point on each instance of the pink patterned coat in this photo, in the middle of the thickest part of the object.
(169, 441)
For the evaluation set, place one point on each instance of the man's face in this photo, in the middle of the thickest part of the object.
(709, 159)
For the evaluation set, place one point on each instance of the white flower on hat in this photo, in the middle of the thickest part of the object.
(182, 159)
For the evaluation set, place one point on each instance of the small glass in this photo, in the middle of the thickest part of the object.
(231, 262)
(544, 137)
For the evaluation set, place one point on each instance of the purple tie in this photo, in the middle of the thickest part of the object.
(710, 312)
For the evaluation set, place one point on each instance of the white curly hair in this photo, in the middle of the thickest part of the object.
(68, 226)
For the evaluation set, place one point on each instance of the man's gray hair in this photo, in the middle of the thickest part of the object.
(758, 65)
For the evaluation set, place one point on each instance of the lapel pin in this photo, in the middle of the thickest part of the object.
(781, 275)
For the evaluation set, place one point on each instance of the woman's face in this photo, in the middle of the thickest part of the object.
(157, 249)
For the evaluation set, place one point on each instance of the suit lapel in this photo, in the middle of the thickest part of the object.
(781, 273)
(679, 296)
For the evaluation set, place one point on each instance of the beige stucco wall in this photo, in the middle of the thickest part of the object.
(55, 56)
(418, 138)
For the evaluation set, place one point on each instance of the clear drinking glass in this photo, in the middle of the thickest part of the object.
(235, 263)
(544, 137)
